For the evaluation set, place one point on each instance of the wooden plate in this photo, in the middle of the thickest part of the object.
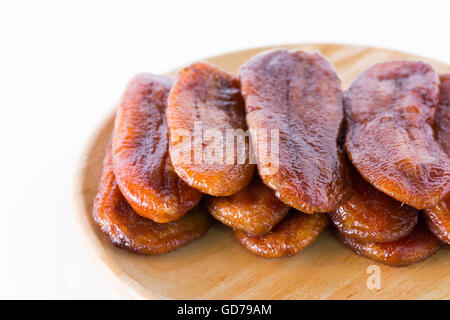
(216, 267)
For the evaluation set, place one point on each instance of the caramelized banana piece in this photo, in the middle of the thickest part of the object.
(294, 233)
(438, 217)
(140, 153)
(442, 121)
(390, 109)
(254, 210)
(417, 246)
(129, 230)
(299, 94)
(438, 220)
(205, 105)
(372, 216)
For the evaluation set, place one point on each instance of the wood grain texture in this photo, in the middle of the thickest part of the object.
(217, 267)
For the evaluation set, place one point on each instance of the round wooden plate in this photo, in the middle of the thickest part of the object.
(217, 267)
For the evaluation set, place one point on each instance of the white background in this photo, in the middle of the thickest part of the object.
(64, 64)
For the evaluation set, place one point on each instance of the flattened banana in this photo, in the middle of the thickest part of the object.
(129, 230)
(141, 160)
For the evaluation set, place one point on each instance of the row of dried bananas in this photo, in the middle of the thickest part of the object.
(375, 159)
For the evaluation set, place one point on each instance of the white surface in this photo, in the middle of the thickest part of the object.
(64, 64)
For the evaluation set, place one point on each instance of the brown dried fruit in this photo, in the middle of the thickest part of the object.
(299, 94)
(142, 165)
(294, 233)
(438, 220)
(254, 209)
(390, 109)
(438, 217)
(417, 246)
(372, 216)
(442, 121)
(129, 230)
(207, 100)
